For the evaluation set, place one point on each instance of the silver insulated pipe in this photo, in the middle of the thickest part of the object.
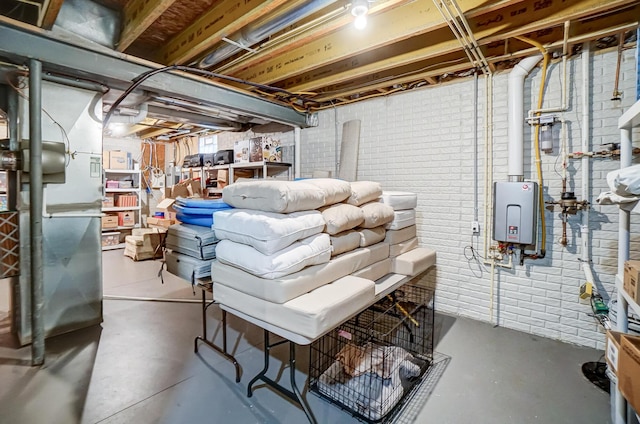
(263, 28)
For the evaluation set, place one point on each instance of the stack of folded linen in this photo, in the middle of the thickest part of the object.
(198, 211)
(190, 251)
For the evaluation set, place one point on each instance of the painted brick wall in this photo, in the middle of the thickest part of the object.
(423, 141)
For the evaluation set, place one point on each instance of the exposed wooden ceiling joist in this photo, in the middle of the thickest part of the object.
(226, 18)
(304, 38)
(375, 63)
(52, 13)
(138, 15)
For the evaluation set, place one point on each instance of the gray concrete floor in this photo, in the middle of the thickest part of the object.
(139, 367)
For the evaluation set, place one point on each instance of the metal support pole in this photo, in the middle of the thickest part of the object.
(297, 163)
(35, 211)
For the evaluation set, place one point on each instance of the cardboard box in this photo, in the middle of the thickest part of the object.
(629, 370)
(108, 201)
(119, 159)
(612, 350)
(222, 177)
(154, 222)
(126, 219)
(110, 221)
(631, 278)
(166, 207)
(271, 150)
(255, 149)
(241, 151)
(106, 164)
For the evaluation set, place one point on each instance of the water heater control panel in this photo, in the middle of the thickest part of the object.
(515, 212)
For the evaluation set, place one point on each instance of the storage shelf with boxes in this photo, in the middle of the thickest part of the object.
(122, 203)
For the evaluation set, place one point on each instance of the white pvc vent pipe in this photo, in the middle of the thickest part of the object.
(516, 116)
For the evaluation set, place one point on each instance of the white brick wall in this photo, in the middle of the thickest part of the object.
(422, 141)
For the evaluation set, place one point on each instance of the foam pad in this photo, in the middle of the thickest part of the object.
(400, 200)
(274, 195)
(399, 236)
(375, 271)
(313, 250)
(414, 262)
(283, 289)
(404, 247)
(267, 232)
(402, 219)
(310, 315)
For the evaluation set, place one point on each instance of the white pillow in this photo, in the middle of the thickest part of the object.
(341, 217)
(267, 232)
(335, 191)
(369, 236)
(273, 196)
(400, 200)
(312, 250)
(376, 214)
(344, 242)
(402, 219)
(363, 192)
(625, 181)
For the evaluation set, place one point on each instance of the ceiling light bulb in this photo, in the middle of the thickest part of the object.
(360, 22)
(359, 7)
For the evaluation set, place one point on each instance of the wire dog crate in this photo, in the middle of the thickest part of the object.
(370, 364)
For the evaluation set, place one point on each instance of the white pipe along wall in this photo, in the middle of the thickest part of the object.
(516, 116)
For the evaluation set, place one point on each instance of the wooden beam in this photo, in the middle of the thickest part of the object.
(226, 18)
(138, 16)
(159, 131)
(419, 18)
(52, 13)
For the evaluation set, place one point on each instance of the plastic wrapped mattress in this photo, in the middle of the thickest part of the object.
(192, 240)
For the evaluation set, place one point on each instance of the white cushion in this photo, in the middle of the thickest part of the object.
(283, 289)
(335, 190)
(370, 236)
(344, 242)
(363, 192)
(341, 217)
(413, 262)
(267, 232)
(400, 200)
(312, 250)
(398, 236)
(273, 195)
(375, 271)
(376, 214)
(402, 219)
(405, 246)
(310, 315)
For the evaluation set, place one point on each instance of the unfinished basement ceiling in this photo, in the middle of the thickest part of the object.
(315, 57)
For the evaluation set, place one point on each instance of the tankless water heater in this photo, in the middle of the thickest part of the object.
(515, 212)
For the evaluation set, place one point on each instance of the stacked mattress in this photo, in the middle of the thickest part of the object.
(190, 251)
(304, 255)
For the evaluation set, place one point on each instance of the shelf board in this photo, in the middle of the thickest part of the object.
(120, 227)
(122, 190)
(260, 165)
(632, 304)
(121, 209)
(122, 171)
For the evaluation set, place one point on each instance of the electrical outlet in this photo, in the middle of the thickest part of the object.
(475, 227)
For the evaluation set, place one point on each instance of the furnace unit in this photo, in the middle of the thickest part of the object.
(515, 206)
